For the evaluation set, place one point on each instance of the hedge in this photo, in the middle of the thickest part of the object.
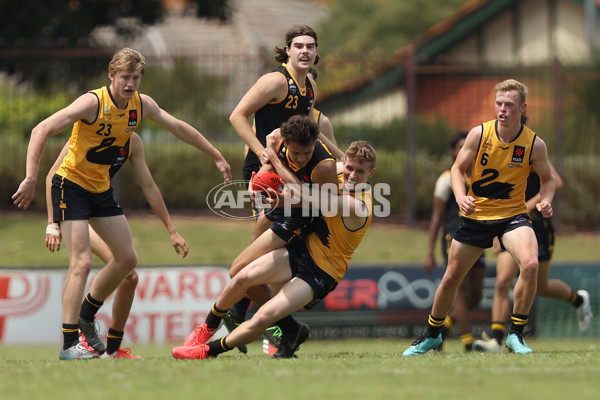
(185, 176)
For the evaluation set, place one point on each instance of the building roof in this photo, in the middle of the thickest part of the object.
(426, 49)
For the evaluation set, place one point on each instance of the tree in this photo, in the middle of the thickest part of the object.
(67, 23)
(359, 34)
(220, 9)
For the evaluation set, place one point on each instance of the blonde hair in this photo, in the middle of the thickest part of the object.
(127, 60)
(511, 84)
(362, 151)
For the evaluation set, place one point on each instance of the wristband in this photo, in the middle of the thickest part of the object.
(52, 230)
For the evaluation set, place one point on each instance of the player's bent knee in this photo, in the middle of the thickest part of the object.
(236, 266)
(81, 269)
(529, 269)
(131, 280)
(451, 280)
(241, 281)
(261, 321)
(503, 285)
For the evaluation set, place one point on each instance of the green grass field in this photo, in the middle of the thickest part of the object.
(332, 369)
(335, 369)
(215, 240)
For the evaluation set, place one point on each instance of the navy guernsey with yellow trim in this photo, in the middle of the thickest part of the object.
(297, 101)
(305, 174)
(95, 146)
(500, 174)
(320, 154)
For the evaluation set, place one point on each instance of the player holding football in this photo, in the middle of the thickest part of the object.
(308, 269)
(311, 163)
(273, 99)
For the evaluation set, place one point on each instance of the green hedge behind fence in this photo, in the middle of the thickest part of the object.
(185, 175)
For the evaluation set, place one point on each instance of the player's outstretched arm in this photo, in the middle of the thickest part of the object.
(457, 173)
(83, 108)
(53, 234)
(184, 131)
(269, 87)
(543, 168)
(153, 194)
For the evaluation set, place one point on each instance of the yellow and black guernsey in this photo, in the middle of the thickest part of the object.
(298, 100)
(332, 244)
(95, 146)
(120, 160)
(317, 116)
(500, 174)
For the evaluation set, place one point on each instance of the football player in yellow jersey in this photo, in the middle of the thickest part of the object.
(102, 120)
(307, 270)
(503, 151)
(125, 293)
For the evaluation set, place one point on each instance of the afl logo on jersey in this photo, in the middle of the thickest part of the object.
(132, 118)
(292, 86)
(518, 154)
(106, 114)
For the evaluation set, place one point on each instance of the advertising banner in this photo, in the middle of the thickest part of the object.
(169, 303)
(371, 301)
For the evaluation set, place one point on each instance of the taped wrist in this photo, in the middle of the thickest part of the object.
(51, 229)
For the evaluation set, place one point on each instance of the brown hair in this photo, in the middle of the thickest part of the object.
(300, 129)
(127, 60)
(457, 137)
(295, 31)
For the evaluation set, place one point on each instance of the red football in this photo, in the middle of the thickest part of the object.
(266, 179)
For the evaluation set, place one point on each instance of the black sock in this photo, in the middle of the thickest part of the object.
(217, 347)
(70, 335)
(434, 326)
(498, 329)
(576, 299)
(241, 307)
(89, 308)
(214, 317)
(288, 325)
(113, 340)
(467, 341)
(518, 323)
